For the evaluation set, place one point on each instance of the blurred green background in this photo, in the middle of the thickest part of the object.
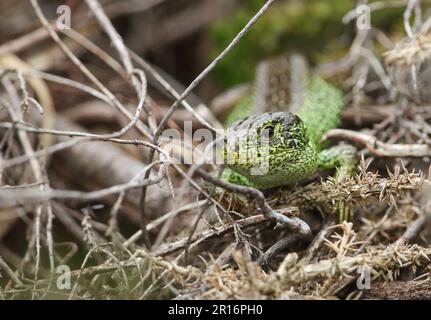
(311, 27)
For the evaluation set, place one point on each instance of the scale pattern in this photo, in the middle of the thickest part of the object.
(277, 148)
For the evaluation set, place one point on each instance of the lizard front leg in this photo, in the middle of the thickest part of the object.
(233, 177)
(343, 158)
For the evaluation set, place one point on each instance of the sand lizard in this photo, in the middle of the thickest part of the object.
(280, 127)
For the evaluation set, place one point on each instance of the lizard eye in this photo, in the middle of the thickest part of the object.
(268, 132)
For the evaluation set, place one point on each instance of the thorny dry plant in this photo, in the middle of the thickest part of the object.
(190, 242)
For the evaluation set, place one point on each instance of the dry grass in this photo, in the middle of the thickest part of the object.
(86, 183)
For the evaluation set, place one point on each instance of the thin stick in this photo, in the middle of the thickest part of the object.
(116, 40)
(294, 224)
(379, 148)
(413, 230)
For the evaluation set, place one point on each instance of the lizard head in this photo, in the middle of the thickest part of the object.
(270, 149)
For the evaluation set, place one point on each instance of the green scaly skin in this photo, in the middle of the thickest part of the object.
(287, 146)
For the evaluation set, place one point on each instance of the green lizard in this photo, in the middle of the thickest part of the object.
(286, 115)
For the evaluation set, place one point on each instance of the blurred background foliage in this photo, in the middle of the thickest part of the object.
(312, 27)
